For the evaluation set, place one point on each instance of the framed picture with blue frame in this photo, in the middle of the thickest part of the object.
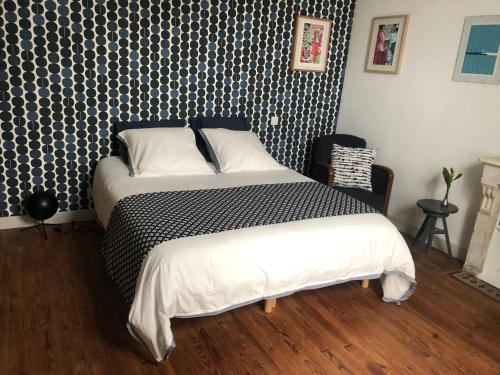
(478, 57)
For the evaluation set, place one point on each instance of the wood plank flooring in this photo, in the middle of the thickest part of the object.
(59, 314)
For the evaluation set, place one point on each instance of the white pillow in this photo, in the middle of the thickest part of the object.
(164, 151)
(237, 151)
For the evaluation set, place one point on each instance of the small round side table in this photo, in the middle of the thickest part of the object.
(434, 210)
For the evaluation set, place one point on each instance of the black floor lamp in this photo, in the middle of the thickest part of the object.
(41, 206)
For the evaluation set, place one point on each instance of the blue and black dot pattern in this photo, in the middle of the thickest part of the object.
(70, 68)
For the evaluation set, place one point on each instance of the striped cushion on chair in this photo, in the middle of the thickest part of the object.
(353, 167)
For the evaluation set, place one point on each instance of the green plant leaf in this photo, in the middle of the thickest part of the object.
(447, 176)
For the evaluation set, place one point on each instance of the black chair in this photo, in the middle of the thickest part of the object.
(322, 171)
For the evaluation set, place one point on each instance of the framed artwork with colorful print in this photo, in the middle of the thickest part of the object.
(387, 41)
(478, 57)
(311, 44)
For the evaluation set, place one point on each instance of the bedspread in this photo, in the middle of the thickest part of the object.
(141, 221)
(191, 253)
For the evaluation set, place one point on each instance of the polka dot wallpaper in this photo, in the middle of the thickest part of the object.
(71, 68)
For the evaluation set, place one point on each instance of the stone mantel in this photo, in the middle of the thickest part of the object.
(487, 216)
(491, 161)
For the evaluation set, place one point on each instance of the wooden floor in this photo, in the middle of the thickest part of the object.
(59, 314)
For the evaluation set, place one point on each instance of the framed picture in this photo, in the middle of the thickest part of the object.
(311, 44)
(387, 41)
(478, 58)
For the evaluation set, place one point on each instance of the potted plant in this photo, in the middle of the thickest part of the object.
(449, 176)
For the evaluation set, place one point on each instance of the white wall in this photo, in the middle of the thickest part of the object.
(421, 120)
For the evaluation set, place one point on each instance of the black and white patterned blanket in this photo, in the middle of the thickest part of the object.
(140, 222)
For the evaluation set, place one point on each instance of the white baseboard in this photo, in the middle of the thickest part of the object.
(59, 218)
(438, 242)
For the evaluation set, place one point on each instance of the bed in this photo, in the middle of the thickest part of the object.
(209, 272)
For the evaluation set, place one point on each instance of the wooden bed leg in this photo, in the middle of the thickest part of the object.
(269, 305)
(364, 283)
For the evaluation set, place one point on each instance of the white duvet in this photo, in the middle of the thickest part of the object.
(211, 273)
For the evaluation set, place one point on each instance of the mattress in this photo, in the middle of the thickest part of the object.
(112, 183)
(211, 273)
